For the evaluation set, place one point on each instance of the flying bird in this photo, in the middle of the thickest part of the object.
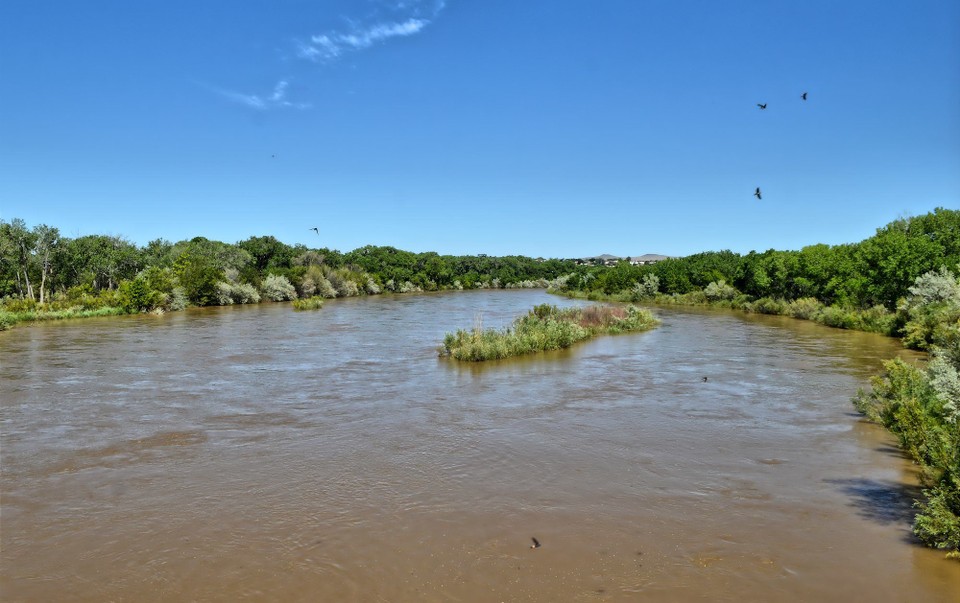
(804, 96)
(536, 544)
(315, 229)
(757, 193)
(763, 106)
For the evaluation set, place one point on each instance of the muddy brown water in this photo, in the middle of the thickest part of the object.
(264, 454)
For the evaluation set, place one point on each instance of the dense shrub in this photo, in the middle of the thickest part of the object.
(137, 296)
(905, 400)
(224, 298)
(176, 300)
(308, 303)
(767, 305)
(236, 293)
(931, 309)
(645, 288)
(278, 288)
(806, 308)
(719, 290)
(920, 407)
(198, 276)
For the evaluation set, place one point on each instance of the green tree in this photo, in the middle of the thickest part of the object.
(198, 276)
(16, 246)
(100, 260)
(137, 296)
(892, 260)
(46, 245)
(268, 252)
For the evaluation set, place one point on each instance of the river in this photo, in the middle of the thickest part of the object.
(257, 453)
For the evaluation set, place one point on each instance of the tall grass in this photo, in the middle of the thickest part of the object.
(8, 319)
(546, 327)
(308, 303)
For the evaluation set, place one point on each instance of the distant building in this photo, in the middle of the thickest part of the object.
(648, 258)
(612, 260)
(601, 260)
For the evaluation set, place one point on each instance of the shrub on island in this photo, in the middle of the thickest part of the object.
(545, 327)
(308, 303)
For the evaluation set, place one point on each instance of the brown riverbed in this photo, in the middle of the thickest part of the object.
(263, 454)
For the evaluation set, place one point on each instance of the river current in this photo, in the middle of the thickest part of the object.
(257, 453)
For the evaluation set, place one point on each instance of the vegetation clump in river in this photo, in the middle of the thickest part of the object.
(308, 303)
(546, 327)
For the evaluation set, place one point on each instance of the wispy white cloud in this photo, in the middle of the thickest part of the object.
(391, 19)
(275, 100)
(412, 16)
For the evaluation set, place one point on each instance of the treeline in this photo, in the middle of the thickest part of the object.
(857, 285)
(43, 273)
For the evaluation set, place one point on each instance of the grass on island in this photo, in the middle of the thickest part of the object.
(8, 319)
(546, 327)
(308, 303)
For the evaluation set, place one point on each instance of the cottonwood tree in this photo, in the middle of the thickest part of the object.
(46, 244)
(16, 247)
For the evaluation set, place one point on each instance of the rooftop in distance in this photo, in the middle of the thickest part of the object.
(610, 260)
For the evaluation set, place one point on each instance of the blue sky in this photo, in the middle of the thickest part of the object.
(556, 128)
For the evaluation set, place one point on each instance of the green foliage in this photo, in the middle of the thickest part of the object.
(719, 290)
(137, 296)
(102, 261)
(545, 327)
(177, 300)
(646, 288)
(267, 252)
(931, 309)
(855, 277)
(278, 288)
(400, 270)
(220, 256)
(920, 407)
(236, 293)
(938, 522)
(806, 308)
(308, 303)
(198, 276)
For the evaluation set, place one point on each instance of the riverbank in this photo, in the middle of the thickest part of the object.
(873, 320)
(10, 319)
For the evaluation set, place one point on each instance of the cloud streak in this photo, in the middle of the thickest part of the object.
(332, 45)
(275, 100)
(392, 19)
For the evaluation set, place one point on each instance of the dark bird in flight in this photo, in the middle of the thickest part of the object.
(804, 96)
(536, 544)
(763, 106)
(757, 193)
(315, 229)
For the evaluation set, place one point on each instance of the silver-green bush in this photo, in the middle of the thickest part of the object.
(277, 288)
